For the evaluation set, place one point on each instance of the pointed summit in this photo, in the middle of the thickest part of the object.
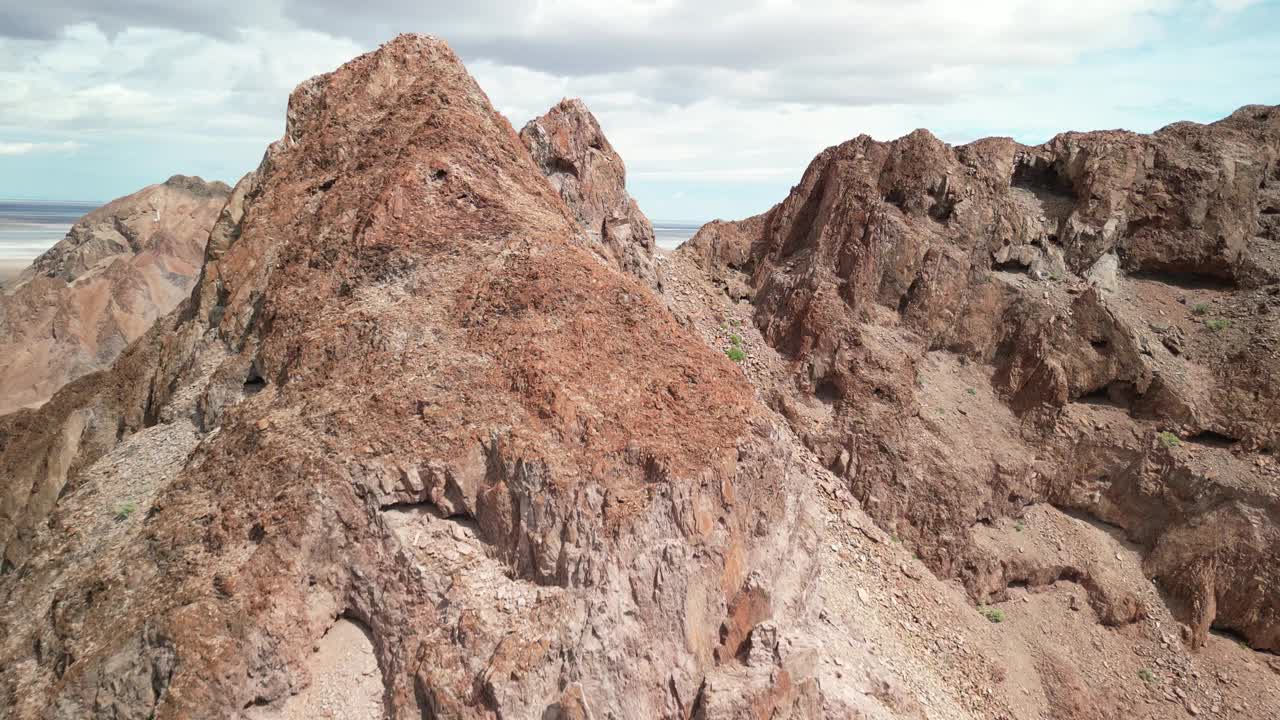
(569, 147)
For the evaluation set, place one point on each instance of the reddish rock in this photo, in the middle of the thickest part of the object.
(569, 147)
(1089, 292)
(401, 393)
(724, 251)
(405, 401)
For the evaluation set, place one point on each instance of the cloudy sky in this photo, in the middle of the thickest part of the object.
(715, 105)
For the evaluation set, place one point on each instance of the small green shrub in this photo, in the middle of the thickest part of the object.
(1200, 309)
(1217, 324)
(1146, 675)
(1019, 526)
(124, 510)
(735, 354)
(735, 340)
(1168, 439)
(995, 615)
(971, 391)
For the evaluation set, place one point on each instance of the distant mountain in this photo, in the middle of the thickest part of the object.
(85, 299)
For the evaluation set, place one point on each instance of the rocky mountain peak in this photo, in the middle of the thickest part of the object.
(1109, 286)
(399, 366)
(569, 147)
(970, 431)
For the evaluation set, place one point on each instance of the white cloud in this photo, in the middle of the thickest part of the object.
(692, 93)
(29, 148)
(148, 79)
(1233, 5)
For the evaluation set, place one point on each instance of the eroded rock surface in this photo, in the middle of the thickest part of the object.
(569, 147)
(406, 402)
(401, 393)
(85, 299)
(1090, 323)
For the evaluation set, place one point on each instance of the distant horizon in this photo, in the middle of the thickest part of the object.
(56, 201)
(25, 232)
(93, 204)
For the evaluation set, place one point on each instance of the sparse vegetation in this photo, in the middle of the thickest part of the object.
(735, 351)
(1019, 526)
(1200, 309)
(995, 615)
(1168, 439)
(1146, 675)
(1217, 324)
(124, 510)
(971, 391)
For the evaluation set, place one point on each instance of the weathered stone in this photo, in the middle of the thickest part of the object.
(569, 147)
(889, 259)
(397, 333)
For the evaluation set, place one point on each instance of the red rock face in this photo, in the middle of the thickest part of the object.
(401, 393)
(119, 268)
(569, 147)
(1090, 323)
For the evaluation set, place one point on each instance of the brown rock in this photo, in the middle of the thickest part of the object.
(396, 275)
(504, 470)
(724, 251)
(893, 267)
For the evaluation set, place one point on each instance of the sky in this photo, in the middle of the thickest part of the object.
(716, 106)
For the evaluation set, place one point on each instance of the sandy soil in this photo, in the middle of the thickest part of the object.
(345, 681)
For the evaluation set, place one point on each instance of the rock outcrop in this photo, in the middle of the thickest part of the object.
(407, 409)
(569, 147)
(84, 300)
(723, 251)
(1091, 323)
(401, 393)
